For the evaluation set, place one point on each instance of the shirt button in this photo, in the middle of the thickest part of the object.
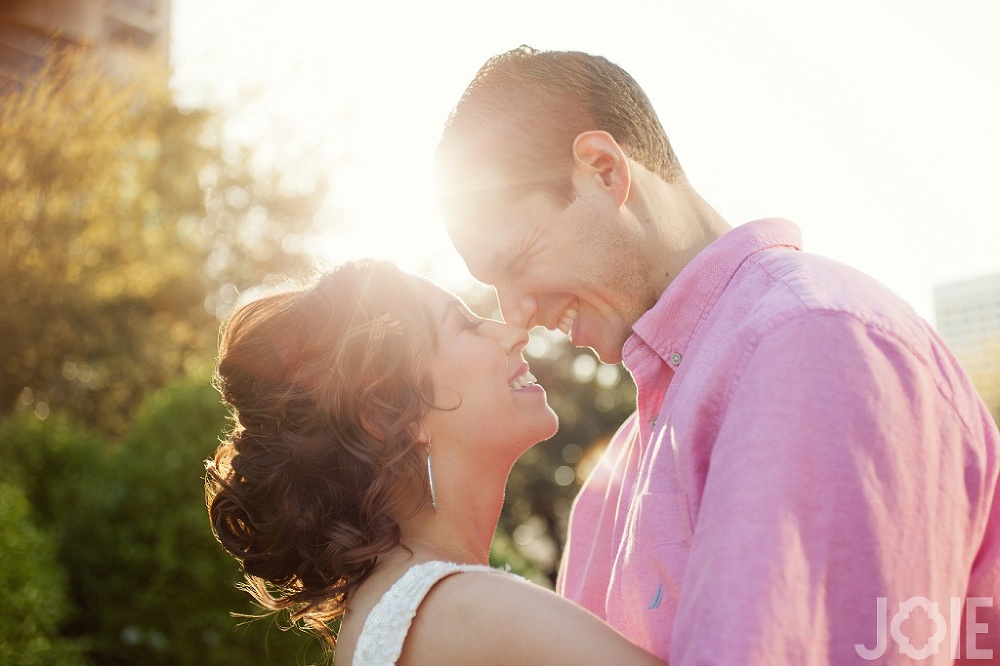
(675, 358)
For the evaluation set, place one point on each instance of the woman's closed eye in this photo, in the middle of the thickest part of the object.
(466, 321)
(471, 322)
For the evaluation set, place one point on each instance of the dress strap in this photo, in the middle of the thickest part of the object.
(385, 628)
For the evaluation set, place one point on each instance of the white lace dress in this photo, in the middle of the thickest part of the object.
(382, 636)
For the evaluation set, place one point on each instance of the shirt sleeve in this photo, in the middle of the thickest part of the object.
(841, 484)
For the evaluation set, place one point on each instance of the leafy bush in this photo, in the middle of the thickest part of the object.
(149, 584)
(34, 599)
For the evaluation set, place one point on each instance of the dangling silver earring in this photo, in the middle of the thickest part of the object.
(430, 479)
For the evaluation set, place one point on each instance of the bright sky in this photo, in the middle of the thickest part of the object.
(872, 124)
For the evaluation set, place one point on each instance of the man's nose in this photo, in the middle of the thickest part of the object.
(518, 309)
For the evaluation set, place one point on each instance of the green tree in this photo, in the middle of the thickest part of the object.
(127, 225)
(33, 602)
(147, 581)
(153, 546)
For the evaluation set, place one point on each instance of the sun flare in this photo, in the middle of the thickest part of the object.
(376, 216)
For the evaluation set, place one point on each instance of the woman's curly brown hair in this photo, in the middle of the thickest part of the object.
(327, 387)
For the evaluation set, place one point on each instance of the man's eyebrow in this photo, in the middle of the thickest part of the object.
(486, 264)
(500, 262)
(495, 266)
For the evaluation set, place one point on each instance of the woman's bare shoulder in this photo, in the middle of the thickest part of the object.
(487, 617)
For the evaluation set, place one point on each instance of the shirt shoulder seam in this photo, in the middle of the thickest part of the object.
(809, 312)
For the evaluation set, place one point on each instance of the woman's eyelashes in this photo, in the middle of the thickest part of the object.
(470, 321)
(457, 314)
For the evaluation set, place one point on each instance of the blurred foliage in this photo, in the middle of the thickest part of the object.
(126, 226)
(147, 582)
(34, 589)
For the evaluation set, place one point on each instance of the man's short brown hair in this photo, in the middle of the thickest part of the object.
(524, 108)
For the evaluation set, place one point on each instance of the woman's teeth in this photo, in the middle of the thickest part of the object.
(522, 380)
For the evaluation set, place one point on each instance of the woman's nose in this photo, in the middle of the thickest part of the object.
(511, 337)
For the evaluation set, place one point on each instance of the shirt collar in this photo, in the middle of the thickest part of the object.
(668, 326)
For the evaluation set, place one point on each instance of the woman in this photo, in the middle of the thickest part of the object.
(376, 422)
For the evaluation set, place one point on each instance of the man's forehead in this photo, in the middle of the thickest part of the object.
(480, 187)
(489, 183)
(479, 202)
(484, 233)
(480, 239)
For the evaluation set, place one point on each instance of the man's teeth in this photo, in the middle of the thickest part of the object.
(566, 323)
(522, 380)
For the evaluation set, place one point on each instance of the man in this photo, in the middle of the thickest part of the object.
(809, 477)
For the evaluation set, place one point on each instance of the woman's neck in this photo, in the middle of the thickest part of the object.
(461, 529)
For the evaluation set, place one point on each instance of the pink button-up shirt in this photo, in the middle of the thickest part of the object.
(806, 456)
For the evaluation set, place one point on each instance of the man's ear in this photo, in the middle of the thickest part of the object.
(597, 154)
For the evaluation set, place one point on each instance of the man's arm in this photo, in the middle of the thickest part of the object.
(839, 478)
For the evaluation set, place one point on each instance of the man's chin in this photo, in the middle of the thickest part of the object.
(608, 354)
(605, 341)
(610, 359)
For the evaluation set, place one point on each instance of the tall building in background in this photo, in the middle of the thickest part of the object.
(967, 314)
(123, 33)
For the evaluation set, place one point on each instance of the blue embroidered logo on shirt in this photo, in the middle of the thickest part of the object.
(658, 597)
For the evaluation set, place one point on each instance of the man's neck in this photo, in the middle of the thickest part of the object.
(680, 224)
